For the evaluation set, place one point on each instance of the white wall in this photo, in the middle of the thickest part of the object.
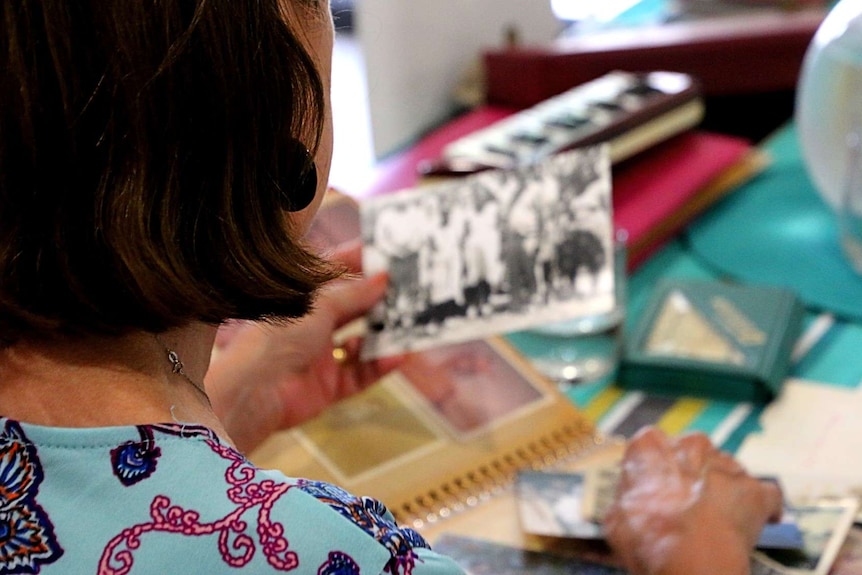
(417, 50)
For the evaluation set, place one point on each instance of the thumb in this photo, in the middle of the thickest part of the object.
(349, 254)
(350, 299)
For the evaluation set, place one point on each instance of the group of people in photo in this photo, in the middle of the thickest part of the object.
(501, 242)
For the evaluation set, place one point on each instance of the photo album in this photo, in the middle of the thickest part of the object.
(452, 426)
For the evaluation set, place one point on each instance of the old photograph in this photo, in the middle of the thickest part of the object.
(496, 252)
(551, 504)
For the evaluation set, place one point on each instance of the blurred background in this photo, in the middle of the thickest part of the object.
(402, 68)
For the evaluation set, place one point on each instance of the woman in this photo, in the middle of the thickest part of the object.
(159, 162)
(154, 179)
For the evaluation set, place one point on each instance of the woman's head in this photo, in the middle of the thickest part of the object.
(146, 149)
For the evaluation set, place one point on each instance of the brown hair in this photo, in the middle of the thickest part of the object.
(142, 147)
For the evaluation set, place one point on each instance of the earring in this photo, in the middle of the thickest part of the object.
(298, 188)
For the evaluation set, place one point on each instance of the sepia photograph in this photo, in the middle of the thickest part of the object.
(379, 416)
(470, 385)
(495, 252)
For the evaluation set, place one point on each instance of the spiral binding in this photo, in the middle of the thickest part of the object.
(486, 481)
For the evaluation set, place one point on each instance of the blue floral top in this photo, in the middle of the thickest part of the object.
(164, 499)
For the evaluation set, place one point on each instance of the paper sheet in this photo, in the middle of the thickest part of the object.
(811, 439)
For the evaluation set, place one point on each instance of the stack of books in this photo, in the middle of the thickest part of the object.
(666, 171)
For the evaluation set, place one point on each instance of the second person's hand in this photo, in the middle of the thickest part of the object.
(685, 507)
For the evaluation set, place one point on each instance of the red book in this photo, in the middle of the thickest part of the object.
(655, 193)
(659, 191)
(727, 55)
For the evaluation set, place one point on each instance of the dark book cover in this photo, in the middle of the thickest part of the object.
(728, 55)
(715, 339)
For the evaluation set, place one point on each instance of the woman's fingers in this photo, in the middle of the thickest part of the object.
(648, 453)
(773, 500)
(692, 452)
(349, 299)
(349, 254)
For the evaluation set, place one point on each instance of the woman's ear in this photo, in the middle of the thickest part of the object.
(299, 186)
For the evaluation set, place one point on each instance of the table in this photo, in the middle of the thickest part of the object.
(831, 360)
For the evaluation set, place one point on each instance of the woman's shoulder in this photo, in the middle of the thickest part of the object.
(302, 513)
(165, 495)
(328, 515)
(408, 551)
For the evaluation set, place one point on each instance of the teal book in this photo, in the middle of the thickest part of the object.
(713, 339)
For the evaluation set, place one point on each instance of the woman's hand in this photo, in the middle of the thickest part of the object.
(685, 507)
(265, 378)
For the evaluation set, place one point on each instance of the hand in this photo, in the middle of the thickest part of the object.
(265, 377)
(683, 506)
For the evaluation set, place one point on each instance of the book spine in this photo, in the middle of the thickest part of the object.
(729, 55)
(657, 105)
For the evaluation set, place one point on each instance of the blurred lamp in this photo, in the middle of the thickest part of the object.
(829, 119)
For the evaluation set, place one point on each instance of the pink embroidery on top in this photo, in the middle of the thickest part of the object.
(235, 546)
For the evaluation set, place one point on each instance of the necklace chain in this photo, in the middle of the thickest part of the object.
(178, 368)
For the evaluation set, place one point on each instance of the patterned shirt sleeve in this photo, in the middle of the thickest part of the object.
(411, 554)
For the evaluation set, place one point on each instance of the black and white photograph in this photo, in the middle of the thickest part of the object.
(552, 504)
(824, 528)
(495, 252)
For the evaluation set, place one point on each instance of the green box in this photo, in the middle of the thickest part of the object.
(713, 339)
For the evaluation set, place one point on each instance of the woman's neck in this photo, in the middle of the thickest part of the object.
(106, 381)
